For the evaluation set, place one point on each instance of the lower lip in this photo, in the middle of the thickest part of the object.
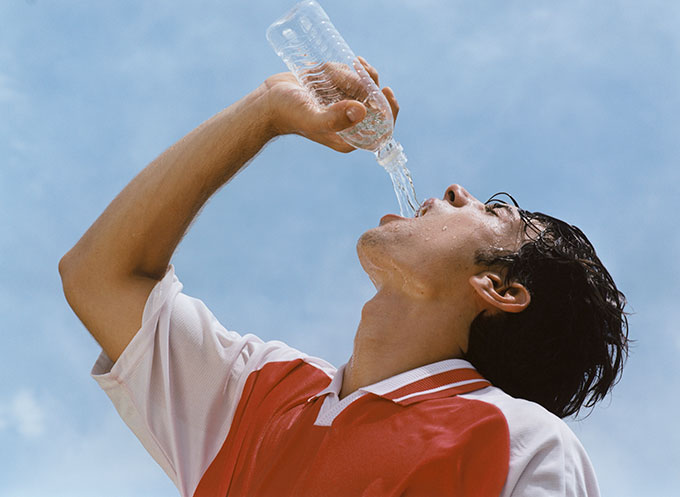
(391, 217)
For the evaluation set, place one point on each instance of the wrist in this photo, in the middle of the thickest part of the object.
(255, 112)
(286, 102)
(265, 105)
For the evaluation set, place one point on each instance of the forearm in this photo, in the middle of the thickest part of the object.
(108, 275)
(138, 232)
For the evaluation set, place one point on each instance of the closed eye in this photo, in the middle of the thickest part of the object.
(495, 203)
(491, 207)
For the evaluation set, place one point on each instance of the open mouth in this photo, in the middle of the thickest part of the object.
(424, 207)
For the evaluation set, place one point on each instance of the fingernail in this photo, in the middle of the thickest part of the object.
(352, 114)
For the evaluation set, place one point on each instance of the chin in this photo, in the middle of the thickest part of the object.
(371, 248)
(373, 243)
(377, 254)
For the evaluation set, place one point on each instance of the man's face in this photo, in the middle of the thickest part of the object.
(433, 254)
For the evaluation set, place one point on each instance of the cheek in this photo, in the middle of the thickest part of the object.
(449, 253)
(437, 261)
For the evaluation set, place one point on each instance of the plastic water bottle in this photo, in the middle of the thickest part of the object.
(324, 64)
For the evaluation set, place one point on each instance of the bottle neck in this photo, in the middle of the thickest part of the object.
(391, 155)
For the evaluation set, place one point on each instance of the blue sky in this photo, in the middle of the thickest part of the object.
(571, 106)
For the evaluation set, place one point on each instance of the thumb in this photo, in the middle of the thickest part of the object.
(344, 114)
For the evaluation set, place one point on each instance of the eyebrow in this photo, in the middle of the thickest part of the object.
(525, 217)
(496, 204)
(494, 198)
(501, 202)
(492, 206)
(514, 214)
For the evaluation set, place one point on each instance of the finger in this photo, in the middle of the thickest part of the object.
(343, 115)
(392, 100)
(372, 72)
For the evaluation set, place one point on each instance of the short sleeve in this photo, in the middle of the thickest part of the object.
(559, 466)
(547, 460)
(179, 381)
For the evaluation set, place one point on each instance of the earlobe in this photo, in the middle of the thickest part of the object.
(491, 288)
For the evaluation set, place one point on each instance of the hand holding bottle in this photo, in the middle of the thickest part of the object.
(293, 110)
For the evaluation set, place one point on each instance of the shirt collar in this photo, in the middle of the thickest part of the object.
(437, 380)
(334, 387)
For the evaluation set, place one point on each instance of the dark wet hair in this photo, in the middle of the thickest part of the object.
(566, 350)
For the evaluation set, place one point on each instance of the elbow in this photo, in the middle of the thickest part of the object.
(67, 272)
(64, 267)
(64, 263)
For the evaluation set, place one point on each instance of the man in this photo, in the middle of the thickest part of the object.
(471, 299)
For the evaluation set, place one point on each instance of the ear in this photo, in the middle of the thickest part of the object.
(513, 297)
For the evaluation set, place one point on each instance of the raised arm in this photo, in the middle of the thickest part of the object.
(108, 275)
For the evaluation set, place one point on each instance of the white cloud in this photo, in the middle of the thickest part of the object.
(73, 460)
(28, 414)
(8, 91)
(24, 414)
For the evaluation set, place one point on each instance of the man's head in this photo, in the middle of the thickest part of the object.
(546, 321)
(566, 350)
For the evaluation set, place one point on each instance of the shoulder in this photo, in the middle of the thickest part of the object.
(525, 419)
(546, 457)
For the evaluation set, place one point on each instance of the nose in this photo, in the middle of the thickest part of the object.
(458, 196)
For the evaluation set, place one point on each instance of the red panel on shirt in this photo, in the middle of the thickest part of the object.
(375, 447)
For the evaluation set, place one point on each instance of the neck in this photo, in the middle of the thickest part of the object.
(398, 333)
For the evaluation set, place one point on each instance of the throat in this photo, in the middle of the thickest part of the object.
(398, 333)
